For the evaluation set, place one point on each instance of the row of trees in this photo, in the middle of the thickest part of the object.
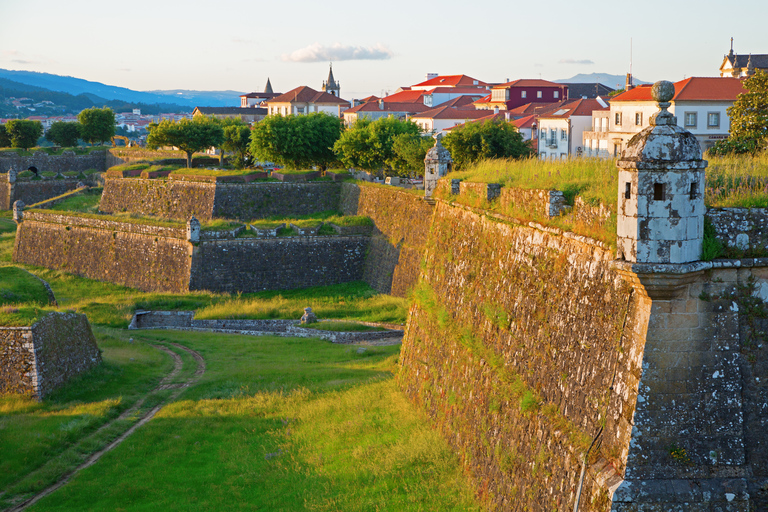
(94, 125)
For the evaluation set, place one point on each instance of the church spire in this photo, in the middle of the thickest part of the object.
(331, 86)
(268, 87)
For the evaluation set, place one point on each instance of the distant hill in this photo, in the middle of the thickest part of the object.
(77, 86)
(612, 81)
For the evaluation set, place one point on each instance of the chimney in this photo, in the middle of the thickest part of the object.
(628, 85)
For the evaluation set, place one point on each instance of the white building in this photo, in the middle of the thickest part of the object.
(700, 105)
(305, 100)
(561, 132)
(441, 119)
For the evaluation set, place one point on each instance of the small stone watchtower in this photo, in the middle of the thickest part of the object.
(437, 163)
(661, 191)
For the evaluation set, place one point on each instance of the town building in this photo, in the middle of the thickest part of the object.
(700, 105)
(510, 95)
(442, 118)
(374, 110)
(332, 86)
(255, 99)
(459, 81)
(743, 65)
(305, 100)
(561, 132)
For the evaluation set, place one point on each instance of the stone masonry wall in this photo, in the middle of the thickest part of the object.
(745, 228)
(521, 345)
(67, 161)
(175, 199)
(149, 258)
(38, 359)
(401, 222)
(251, 265)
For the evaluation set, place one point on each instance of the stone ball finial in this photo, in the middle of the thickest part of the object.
(663, 91)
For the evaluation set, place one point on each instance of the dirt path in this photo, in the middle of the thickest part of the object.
(166, 383)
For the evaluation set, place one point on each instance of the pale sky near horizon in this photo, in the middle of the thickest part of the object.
(235, 45)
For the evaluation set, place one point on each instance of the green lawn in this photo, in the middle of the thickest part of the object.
(278, 424)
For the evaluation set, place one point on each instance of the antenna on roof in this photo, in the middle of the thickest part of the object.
(630, 55)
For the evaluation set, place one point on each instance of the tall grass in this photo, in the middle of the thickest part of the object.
(737, 181)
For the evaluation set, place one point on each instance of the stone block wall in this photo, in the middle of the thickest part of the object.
(251, 265)
(67, 161)
(176, 199)
(521, 345)
(38, 359)
(149, 258)
(402, 221)
(35, 191)
(744, 228)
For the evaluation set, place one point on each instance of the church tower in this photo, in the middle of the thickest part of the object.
(331, 86)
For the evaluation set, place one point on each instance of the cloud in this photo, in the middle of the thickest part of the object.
(575, 61)
(337, 52)
(22, 61)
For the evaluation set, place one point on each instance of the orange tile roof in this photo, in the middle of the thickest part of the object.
(306, 94)
(525, 122)
(452, 113)
(536, 108)
(373, 106)
(406, 97)
(580, 107)
(475, 91)
(691, 89)
(450, 81)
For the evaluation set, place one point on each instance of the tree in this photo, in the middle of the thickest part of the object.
(97, 124)
(370, 144)
(237, 139)
(23, 133)
(410, 151)
(296, 141)
(189, 135)
(63, 134)
(5, 139)
(489, 139)
(749, 119)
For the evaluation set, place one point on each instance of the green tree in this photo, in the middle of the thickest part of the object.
(370, 144)
(296, 141)
(410, 150)
(97, 124)
(23, 133)
(189, 135)
(489, 139)
(749, 119)
(237, 140)
(63, 134)
(5, 139)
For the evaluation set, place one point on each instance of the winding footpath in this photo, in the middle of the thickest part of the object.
(166, 383)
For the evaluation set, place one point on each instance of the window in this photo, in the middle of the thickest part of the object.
(299, 110)
(658, 191)
(691, 120)
(557, 94)
(627, 190)
(538, 94)
(543, 133)
(694, 190)
(638, 119)
(564, 134)
(617, 119)
(523, 94)
(713, 120)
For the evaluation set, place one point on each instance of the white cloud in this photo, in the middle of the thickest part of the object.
(338, 52)
(575, 61)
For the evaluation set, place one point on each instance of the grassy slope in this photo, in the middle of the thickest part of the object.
(278, 424)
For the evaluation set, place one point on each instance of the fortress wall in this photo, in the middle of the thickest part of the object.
(401, 222)
(149, 258)
(176, 199)
(252, 265)
(521, 345)
(67, 161)
(40, 358)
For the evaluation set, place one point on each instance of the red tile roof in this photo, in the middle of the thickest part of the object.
(474, 91)
(691, 89)
(536, 108)
(406, 97)
(452, 113)
(529, 82)
(306, 94)
(525, 122)
(580, 107)
(450, 81)
(464, 100)
(373, 106)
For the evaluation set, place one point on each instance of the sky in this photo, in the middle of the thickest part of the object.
(375, 47)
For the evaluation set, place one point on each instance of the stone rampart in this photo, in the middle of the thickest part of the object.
(150, 258)
(36, 360)
(521, 345)
(744, 228)
(251, 265)
(120, 156)
(402, 221)
(35, 191)
(67, 161)
(177, 199)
